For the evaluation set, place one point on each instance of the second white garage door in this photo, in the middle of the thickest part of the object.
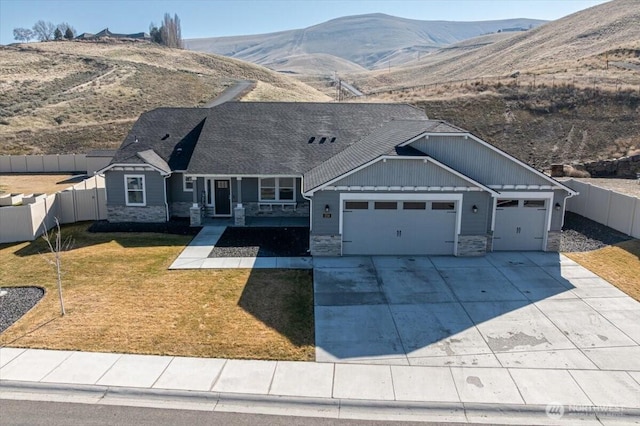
(520, 224)
(388, 227)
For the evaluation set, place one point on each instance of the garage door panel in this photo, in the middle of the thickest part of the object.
(415, 229)
(520, 225)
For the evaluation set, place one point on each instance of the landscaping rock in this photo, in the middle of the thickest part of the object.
(17, 302)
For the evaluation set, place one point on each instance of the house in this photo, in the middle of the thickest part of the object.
(371, 178)
(108, 34)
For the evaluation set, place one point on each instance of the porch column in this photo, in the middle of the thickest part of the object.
(238, 211)
(196, 211)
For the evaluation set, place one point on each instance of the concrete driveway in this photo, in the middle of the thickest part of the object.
(520, 310)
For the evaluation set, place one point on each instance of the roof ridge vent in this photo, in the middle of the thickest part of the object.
(311, 139)
(323, 139)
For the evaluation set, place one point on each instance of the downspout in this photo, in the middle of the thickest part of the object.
(564, 206)
(166, 203)
(310, 204)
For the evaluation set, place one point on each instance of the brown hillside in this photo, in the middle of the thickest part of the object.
(62, 97)
(549, 125)
(575, 47)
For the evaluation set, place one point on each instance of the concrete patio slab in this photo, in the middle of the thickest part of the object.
(135, 370)
(245, 376)
(82, 367)
(302, 379)
(489, 385)
(512, 327)
(365, 331)
(197, 374)
(481, 285)
(441, 262)
(615, 358)
(561, 359)
(406, 286)
(509, 258)
(32, 365)
(538, 386)
(609, 388)
(437, 329)
(363, 382)
(424, 384)
(7, 354)
(402, 262)
(548, 258)
(473, 360)
(343, 262)
(585, 327)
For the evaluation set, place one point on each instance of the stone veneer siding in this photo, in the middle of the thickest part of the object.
(180, 208)
(472, 245)
(553, 241)
(325, 245)
(153, 214)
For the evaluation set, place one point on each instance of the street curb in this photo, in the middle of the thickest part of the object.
(314, 407)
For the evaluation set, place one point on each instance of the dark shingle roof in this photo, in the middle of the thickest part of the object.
(171, 132)
(273, 137)
(383, 141)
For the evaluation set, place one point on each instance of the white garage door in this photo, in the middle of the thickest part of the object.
(416, 227)
(520, 224)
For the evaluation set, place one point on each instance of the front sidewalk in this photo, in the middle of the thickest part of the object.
(375, 392)
(196, 256)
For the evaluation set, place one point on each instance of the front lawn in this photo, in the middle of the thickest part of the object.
(619, 264)
(120, 297)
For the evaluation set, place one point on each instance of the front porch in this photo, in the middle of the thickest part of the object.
(260, 222)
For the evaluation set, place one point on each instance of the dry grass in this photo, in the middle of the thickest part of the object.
(30, 184)
(64, 97)
(618, 264)
(120, 297)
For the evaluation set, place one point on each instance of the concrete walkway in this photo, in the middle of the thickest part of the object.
(196, 256)
(376, 392)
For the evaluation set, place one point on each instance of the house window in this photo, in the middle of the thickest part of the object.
(414, 205)
(534, 203)
(277, 189)
(385, 205)
(507, 203)
(134, 188)
(356, 205)
(187, 183)
(443, 206)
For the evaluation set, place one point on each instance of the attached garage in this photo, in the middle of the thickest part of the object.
(521, 222)
(393, 225)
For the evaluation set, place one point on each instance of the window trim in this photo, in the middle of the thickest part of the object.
(127, 190)
(184, 183)
(277, 187)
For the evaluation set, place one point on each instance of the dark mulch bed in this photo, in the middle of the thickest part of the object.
(174, 226)
(582, 234)
(16, 303)
(263, 242)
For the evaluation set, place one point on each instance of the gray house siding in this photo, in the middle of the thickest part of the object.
(117, 211)
(322, 225)
(476, 223)
(477, 161)
(405, 172)
(180, 201)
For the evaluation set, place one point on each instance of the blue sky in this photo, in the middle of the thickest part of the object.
(213, 18)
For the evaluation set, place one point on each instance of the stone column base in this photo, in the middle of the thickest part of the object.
(325, 245)
(195, 216)
(553, 241)
(238, 215)
(472, 245)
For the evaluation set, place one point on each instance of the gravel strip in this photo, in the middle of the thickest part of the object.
(582, 234)
(17, 302)
(262, 242)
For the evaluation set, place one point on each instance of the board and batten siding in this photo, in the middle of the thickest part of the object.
(402, 172)
(477, 161)
(153, 181)
(476, 223)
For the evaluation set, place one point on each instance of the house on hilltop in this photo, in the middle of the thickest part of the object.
(108, 34)
(371, 179)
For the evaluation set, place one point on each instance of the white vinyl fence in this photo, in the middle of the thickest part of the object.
(43, 163)
(618, 211)
(83, 201)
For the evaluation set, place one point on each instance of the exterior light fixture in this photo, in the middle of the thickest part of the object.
(557, 206)
(474, 209)
(326, 208)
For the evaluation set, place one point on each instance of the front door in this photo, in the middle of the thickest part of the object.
(219, 196)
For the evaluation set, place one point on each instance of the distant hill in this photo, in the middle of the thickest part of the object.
(574, 47)
(64, 97)
(369, 41)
